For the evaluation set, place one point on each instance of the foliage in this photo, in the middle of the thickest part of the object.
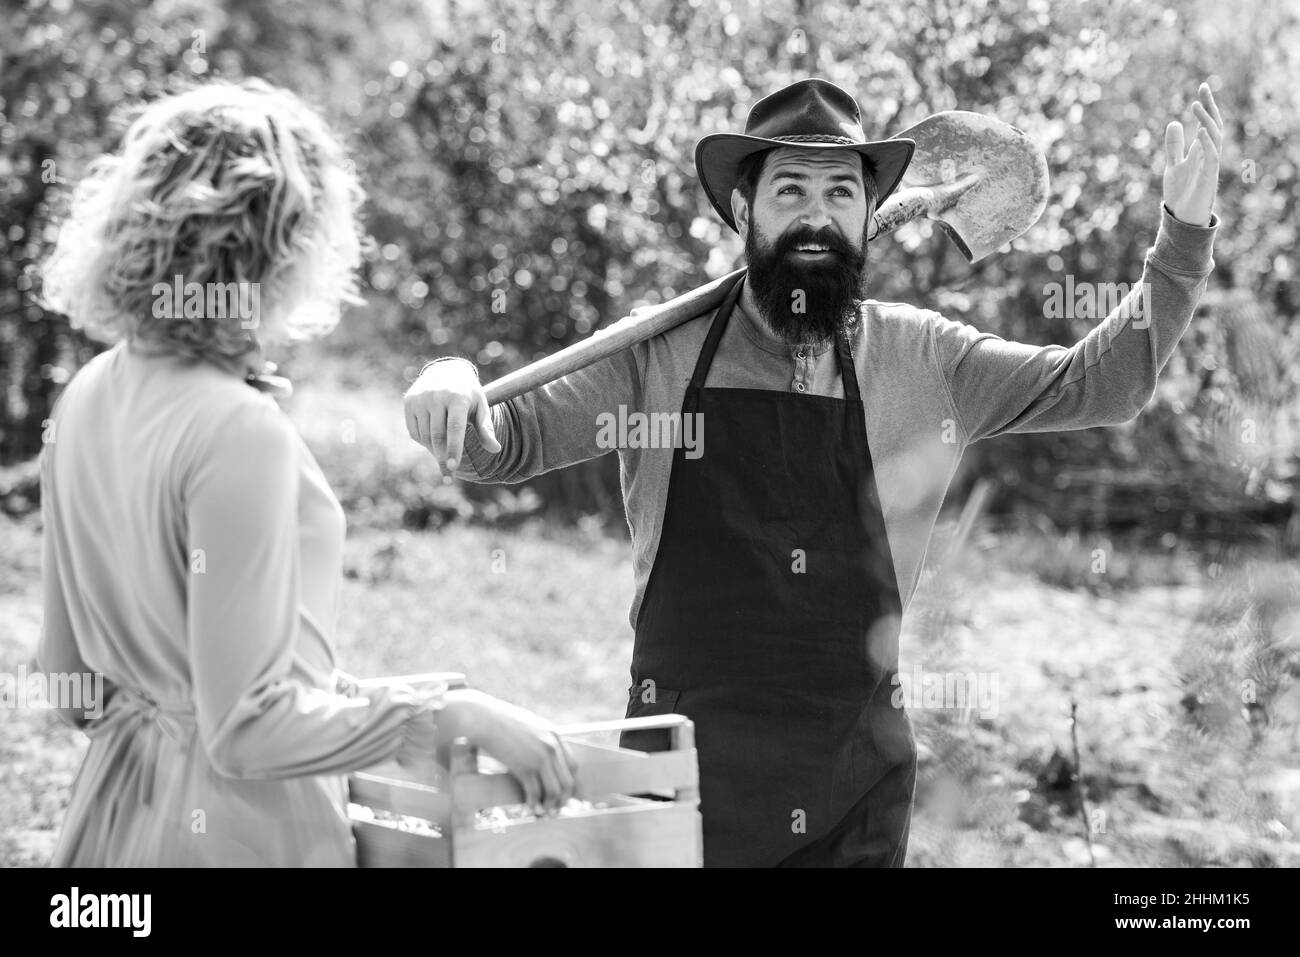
(530, 173)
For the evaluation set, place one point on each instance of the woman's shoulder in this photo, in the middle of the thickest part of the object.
(91, 373)
(123, 373)
(191, 408)
(235, 417)
(240, 437)
(213, 413)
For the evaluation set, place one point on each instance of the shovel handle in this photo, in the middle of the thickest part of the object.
(644, 324)
(916, 201)
(628, 331)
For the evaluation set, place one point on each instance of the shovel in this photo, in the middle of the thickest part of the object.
(983, 181)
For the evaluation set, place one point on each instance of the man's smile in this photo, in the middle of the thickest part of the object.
(812, 252)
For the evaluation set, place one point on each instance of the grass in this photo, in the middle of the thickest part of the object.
(533, 615)
(539, 616)
(1164, 787)
(536, 616)
(1159, 648)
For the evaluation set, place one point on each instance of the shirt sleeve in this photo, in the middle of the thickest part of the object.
(254, 719)
(57, 652)
(1107, 377)
(557, 424)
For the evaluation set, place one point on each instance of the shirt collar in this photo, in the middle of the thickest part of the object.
(758, 332)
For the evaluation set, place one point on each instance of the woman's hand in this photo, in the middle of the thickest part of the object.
(526, 744)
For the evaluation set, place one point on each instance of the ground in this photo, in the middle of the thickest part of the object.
(539, 616)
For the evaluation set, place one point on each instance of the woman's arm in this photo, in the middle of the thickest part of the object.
(57, 654)
(254, 720)
(241, 506)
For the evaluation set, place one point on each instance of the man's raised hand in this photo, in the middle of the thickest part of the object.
(438, 406)
(1192, 175)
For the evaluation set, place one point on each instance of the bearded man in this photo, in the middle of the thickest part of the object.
(772, 569)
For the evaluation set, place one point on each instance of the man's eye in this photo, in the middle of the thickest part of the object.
(785, 189)
(844, 191)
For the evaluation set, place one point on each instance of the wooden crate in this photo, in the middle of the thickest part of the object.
(639, 809)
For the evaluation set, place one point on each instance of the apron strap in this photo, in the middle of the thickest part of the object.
(716, 328)
(848, 369)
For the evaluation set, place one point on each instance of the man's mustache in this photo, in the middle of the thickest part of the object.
(832, 240)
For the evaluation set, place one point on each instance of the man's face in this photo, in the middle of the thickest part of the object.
(805, 240)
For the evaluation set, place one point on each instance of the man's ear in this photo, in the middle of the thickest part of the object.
(740, 213)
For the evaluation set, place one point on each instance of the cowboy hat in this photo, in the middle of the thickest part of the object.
(811, 113)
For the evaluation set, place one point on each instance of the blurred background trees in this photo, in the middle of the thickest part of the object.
(530, 173)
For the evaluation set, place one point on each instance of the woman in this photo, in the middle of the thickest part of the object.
(192, 551)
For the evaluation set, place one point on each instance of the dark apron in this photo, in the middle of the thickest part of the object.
(771, 620)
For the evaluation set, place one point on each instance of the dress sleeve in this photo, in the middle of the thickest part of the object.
(254, 719)
(57, 653)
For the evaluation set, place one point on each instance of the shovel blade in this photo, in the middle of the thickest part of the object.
(1011, 192)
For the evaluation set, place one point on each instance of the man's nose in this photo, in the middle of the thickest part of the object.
(815, 215)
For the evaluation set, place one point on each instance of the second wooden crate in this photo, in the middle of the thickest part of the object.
(631, 809)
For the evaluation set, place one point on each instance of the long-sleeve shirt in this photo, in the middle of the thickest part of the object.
(930, 387)
(193, 559)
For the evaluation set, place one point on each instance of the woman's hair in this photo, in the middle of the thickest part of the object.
(224, 183)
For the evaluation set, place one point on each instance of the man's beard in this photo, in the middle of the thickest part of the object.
(806, 301)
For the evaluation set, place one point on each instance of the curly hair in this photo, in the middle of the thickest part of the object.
(224, 183)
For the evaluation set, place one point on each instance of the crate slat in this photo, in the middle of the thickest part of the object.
(383, 845)
(648, 723)
(626, 829)
(399, 797)
(452, 679)
(654, 835)
(632, 772)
